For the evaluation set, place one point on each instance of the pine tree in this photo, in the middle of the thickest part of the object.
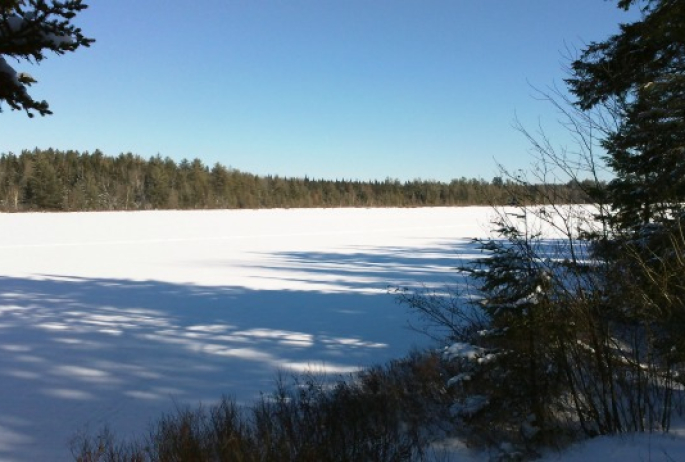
(28, 30)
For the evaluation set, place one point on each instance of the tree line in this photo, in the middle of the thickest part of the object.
(54, 180)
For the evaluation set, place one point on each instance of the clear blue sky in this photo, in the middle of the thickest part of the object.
(361, 89)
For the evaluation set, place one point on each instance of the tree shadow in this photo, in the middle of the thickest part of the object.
(372, 270)
(80, 353)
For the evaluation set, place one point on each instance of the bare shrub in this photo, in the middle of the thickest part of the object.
(386, 413)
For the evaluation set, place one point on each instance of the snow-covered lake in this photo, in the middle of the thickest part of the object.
(114, 318)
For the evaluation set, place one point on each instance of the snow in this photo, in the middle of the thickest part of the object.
(114, 318)
(637, 448)
(463, 350)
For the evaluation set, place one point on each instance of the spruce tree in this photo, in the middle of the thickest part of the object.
(28, 30)
(640, 72)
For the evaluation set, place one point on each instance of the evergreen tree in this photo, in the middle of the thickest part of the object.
(43, 188)
(640, 72)
(28, 29)
(519, 369)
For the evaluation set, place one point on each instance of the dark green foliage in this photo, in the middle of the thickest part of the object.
(552, 340)
(72, 181)
(43, 188)
(28, 30)
(588, 336)
(516, 282)
(640, 73)
(511, 360)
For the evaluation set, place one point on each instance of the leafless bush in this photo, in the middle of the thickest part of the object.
(386, 413)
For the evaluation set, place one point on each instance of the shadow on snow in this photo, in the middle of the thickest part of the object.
(77, 353)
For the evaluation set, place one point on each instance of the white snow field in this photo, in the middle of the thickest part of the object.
(114, 318)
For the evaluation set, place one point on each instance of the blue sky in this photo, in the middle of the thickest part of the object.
(355, 89)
